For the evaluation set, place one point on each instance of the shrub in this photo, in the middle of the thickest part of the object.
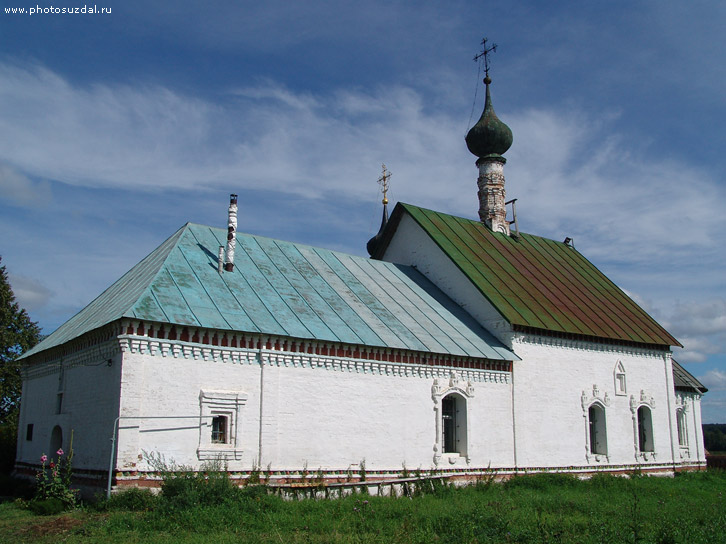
(182, 487)
(541, 481)
(134, 499)
(47, 507)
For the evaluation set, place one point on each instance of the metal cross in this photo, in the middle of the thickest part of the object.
(485, 53)
(383, 182)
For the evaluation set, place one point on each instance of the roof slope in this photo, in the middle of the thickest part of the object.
(685, 381)
(536, 282)
(286, 289)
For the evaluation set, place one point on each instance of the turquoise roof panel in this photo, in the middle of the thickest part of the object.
(116, 301)
(286, 289)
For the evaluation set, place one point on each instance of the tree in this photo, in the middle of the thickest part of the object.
(17, 335)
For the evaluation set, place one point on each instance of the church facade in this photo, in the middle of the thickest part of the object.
(461, 346)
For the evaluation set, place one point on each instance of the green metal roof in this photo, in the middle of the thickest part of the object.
(685, 381)
(285, 289)
(535, 282)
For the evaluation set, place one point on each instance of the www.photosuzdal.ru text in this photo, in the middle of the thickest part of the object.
(51, 10)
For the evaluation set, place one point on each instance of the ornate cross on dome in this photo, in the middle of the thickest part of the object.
(485, 53)
(383, 182)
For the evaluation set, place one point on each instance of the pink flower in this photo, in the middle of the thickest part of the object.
(52, 464)
(59, 452)
(43, 458)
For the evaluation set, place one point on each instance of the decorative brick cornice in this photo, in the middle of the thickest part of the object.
(98, 354)
(239, 355)
(574, 342)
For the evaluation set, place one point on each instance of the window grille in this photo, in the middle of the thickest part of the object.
(219, 430)
(448, 416)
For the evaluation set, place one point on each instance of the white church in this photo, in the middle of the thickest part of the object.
(461, 346)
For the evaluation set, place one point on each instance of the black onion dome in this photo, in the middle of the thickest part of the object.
(372, 244)
(489, 136)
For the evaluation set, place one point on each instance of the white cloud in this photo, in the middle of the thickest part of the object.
(29, 293)
(701, 328)
(21, 190)
(572, 173)
(714, 380)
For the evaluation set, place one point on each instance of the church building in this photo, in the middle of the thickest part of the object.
(461, 346)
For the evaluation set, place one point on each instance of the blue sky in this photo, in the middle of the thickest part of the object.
(116, 129)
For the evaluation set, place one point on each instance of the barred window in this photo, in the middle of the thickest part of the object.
(219, 430)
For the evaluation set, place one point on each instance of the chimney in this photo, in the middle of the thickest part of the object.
(231, 233)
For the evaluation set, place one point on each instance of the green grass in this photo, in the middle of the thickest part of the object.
(690, 508)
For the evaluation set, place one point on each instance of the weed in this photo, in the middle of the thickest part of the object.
(254, 477)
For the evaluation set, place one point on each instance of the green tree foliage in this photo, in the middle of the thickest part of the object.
(17, 335)
(714, 437)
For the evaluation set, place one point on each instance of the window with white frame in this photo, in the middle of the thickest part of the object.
(645, 430)
(682, 431)
(451, 397)
(219, 424)
(219, 430)
(597, 429)
(453, 424)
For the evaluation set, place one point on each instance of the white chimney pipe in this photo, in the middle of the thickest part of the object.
(231, 233)
(220, 260)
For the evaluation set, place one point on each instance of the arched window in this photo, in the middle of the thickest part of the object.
(56, 440)
(681, 422)
(453, 424)
(645, 430)
(597, 430)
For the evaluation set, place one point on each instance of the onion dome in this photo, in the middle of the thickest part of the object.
(489, 137)
(372, 244)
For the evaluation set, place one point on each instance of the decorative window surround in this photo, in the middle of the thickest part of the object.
(619, 378)
(682, 407)
(587, 399)
(647, 400)
(227, 404)
(440, 389)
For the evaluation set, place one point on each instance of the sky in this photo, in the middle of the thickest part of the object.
(118, 128)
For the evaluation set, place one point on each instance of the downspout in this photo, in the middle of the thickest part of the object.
(514, 422)
(262, 389)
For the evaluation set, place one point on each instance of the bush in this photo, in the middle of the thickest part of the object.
(182, 487)
(47, 507)
(134, 499)
(542, 481)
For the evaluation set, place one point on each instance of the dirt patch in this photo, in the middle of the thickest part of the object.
(54, 526)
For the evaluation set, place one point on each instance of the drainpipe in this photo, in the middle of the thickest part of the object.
(514, 422)
(114, 440)
(262, 388)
